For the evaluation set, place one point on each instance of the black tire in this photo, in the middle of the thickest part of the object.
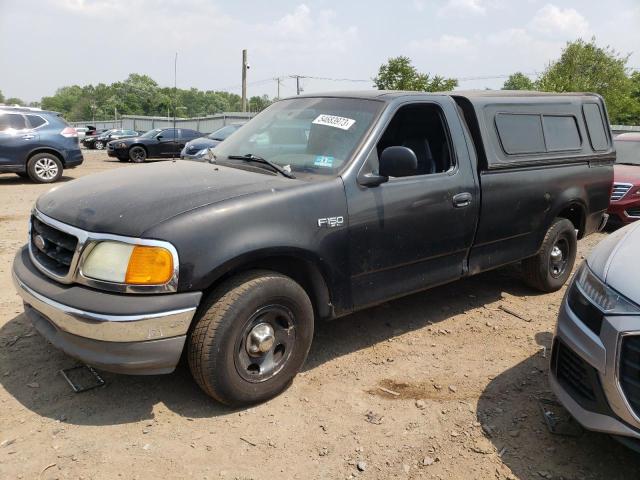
(137, 154)
(99, 145)
(44, 168)
(547, 271)
(218, 347)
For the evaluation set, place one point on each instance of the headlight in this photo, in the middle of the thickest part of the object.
(121, 145)
(125, 263)
(604, 297)
(202, 153)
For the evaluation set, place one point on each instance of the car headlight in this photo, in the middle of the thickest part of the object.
(121, 145)
(601, 295)
(129, 264)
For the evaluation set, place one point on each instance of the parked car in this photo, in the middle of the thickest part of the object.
(625, 196)
(197, 149)
(37, 144)
(389, 194)
(595, 361)
(82, 132)
(99, 142)
(156, 143)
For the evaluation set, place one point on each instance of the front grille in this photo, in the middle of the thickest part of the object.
(630, 371)
(586, 311)
(619, 191)
(52, 248)
(633, 212)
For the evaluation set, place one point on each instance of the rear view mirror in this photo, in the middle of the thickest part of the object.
(398, 161)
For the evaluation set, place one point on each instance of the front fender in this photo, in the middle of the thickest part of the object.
(215, 239)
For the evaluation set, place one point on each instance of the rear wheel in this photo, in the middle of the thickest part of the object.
(44, 168)
(251, 338)
(99, 145)
(551, 267)
(137, 154)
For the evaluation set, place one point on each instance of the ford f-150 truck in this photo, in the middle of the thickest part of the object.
(320, 206)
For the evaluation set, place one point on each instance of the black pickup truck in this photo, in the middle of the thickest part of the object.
(321, 205)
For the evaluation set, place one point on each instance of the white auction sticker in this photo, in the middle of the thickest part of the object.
(342, 123)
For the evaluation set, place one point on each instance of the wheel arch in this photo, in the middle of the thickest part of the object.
(576, 212)
(301, 266)
(49, 150)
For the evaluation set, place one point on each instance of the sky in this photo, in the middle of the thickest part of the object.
(47, 44)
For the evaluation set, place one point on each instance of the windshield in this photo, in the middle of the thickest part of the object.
(627, 152)
(104, 134)
(151, 133)
(312, 135)
(222, 133)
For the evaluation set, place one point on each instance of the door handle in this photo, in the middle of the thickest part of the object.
(28, 137)
(462, 200)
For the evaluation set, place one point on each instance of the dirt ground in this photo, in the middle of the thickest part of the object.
(465, 378)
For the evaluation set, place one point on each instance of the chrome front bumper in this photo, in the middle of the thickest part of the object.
(107, 328)
(122, 333)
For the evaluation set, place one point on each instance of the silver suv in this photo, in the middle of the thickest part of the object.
(595, 362)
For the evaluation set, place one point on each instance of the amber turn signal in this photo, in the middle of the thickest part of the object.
(149, 266)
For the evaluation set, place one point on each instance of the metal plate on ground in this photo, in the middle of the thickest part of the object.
(559, 421)
(82, 378)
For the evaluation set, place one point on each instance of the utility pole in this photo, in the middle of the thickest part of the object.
(278, 79)
(298, 84)
(244, 80)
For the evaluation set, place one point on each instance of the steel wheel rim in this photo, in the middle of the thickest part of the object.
(99, 146)
(137, 153)
(46, 168)
(558, 258)
(261, 366)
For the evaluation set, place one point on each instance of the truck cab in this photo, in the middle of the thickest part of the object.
(319, 206)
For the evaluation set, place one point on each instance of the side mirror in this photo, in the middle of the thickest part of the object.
(159, 137)
(398, 161)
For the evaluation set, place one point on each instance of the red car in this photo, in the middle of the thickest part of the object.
(625, 197)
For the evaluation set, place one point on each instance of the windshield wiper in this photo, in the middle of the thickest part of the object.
(250, 157)
(628, 163)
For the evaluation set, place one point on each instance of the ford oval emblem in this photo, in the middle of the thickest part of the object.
(39, 242)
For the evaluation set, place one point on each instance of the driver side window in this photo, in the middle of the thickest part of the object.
(420, 128)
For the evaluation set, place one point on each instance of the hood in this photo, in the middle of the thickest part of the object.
(129, 201)
(626, 174)
(200, 143)
(615, 260)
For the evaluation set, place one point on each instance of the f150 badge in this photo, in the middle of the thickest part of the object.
(331, 222)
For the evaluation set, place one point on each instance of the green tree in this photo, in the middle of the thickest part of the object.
(15, 101)
(518, 81)
(399, 74)
(586, 67)
(1, 97)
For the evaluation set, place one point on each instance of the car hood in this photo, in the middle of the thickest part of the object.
(200, 144)
(626, 174)
(615, 260)
(128, 201)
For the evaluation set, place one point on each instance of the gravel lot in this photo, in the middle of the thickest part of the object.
(464, 377)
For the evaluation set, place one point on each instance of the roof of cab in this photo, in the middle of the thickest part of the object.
(388, 95)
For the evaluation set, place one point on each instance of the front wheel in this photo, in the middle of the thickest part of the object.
(137, 154)
(551, 267)
(251, 338)
(99, 145)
